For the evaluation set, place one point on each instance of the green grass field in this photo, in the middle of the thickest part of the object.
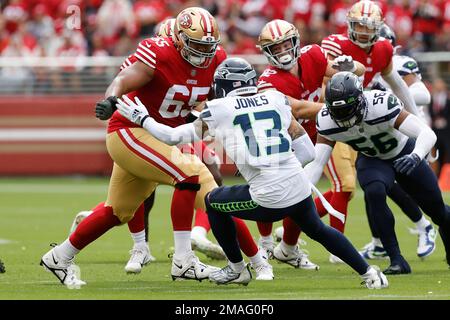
(38, 211)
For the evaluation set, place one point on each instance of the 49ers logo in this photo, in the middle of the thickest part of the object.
(185, 21)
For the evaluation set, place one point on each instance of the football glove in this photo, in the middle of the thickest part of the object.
(407, 163)
(344, 63)
(135, 112)
(104, 109)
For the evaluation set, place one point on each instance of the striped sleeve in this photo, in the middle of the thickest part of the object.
(331, 47)
(126, 63)
(264, 85)
(145, 54)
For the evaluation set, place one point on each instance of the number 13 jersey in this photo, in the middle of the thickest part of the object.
(176, 87)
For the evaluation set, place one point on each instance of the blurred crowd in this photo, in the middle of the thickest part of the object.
(113, 27)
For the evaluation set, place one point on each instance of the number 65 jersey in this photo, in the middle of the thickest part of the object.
(254, 133)
(375, 136)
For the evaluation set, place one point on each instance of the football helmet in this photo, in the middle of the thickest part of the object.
(234, 77)
(364, 13)
(165, 28)
(196, 35)
(387, 33)
(276, 32)
(345, 100)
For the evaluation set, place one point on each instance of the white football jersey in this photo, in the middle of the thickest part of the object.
(375, 136)
(404, 65)
(254, 133)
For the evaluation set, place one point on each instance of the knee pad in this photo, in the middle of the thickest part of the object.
(190, 183)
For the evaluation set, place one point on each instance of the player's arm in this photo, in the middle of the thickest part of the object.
(323, 150)
(417, 88)
(400, 88)
(304, 109)
(301, 143)
(129, 79)
(136, 112)
(413, 127)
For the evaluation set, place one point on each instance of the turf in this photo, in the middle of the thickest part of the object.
(38, 211)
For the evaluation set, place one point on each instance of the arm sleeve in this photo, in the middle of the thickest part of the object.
(183, 134)
(304, 149)
(401, 90)
(420, 93)
(425, 137)
(314, 169)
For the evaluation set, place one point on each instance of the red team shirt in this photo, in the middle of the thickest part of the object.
(378, 58)
(176, 87)
(307, 85)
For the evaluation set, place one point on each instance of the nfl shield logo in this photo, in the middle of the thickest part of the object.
(236, 84)
(193, 72)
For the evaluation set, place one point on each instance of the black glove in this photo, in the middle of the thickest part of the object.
(407, 163)
(378, 86)
(104, 109)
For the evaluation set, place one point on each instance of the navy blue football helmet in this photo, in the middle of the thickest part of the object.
(387, 33)
(234, 77)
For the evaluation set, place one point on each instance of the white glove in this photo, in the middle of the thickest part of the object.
(135, 112)
(344, 63)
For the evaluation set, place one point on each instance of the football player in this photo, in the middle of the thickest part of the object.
(392, 144)
(258, 132)
(299, 73)
(408, 69)
(362, 42)
(172, 76)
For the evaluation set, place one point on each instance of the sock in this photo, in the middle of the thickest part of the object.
(256, 259)
(182, 208)
(319, 206)
(136, 224)
(245, 238)
(66, 251)
(237, 267)
(265, 228)
(268, 238)
(148, 205)
(182, 240)
(339, 201)
(287, 248)
(92, 227)
(422, 223)
(377, 242)
(198, 231)
(139, 238)
(201, 220)
(291, 231)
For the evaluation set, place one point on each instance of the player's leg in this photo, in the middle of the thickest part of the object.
(423, 187)
(424, 229)
(265, 241)
(376, 177)
(305, 215)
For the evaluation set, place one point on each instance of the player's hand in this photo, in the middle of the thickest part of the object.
(104, 109)
(134, 111)
(407, 163)
(344, 63)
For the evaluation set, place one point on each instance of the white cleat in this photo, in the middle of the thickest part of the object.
(191, 268)
(278, 234)
(297, 258)
(374, 278)
(66, 271)
(140, 256)
(267, 247)
(426, 243)
(264, 271)
(226, 275)
(373, 251)
(78, 218)
(207, 247)
(335, 259)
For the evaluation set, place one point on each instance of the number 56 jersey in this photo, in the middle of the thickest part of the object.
(254, 133)
(375, 136)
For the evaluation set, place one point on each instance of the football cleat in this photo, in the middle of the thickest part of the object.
(140, 256)
(226, 275)
(264, 270)
(374, 278)
(78, 218)
(191, 268)
(426, 243)
(335, 259)
(66, 271)
(298, 258)
(267, 247)
(2, 267)
(207, 247)
(399, 266)
(278, 234)
(372, 251)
